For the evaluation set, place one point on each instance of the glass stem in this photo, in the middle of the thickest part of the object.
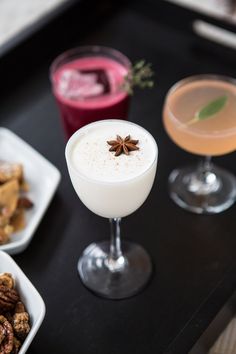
(205, 171)
(116, 260)
(206, 164)
(204, 181)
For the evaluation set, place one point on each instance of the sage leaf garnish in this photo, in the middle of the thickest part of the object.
(212, 108)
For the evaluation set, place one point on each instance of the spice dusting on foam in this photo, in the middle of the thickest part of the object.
(91, 156)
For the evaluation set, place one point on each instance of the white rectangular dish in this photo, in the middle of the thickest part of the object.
(43, 179)
(32, 300)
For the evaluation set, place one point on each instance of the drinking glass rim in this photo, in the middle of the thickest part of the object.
(93, 49)
(73, 137)
(192, 78)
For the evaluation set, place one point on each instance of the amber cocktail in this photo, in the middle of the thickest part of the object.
(200, 117)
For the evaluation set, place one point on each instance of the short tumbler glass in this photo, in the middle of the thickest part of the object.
(87, 83)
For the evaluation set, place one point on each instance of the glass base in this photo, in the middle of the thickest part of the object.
(210, 193)
(128, 279)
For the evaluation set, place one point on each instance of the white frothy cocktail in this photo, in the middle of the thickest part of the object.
(111, 186)
(112, 165)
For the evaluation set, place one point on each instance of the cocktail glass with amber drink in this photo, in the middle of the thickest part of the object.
(200, 117)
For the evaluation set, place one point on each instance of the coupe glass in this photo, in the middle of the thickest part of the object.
(199, 116)
(113, 269)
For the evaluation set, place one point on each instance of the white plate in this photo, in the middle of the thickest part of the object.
(42, 177)
(29, 295)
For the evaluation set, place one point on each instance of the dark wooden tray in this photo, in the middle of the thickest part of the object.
(194, 256)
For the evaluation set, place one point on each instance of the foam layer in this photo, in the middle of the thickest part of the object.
(90, 153)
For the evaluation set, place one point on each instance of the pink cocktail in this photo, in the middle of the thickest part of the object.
(87, 84)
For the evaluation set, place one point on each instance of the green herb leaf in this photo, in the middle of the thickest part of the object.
(140, 75)
(210, 109)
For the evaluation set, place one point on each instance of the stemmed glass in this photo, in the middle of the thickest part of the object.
(112, 187)
(199, 116)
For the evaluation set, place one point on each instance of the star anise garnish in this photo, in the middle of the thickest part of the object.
(123, 145)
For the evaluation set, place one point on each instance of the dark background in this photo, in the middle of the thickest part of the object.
(193, 255)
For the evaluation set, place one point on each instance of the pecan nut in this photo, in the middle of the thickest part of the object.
(8, 298)
(25, 203)
(16, 346)
(6, 334)
(7, 280)
(21, 323)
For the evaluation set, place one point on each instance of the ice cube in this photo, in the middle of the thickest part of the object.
(76, 84)
(101, 78)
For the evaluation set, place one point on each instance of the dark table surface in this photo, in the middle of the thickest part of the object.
(194, 256)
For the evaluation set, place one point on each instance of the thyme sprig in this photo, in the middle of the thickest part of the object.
(140, 75)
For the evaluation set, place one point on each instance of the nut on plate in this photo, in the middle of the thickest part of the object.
(14, 319)
(13, 202)
(21, 323)
(8, 299)
(7, 280)
(6, 336)
(16, 346)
